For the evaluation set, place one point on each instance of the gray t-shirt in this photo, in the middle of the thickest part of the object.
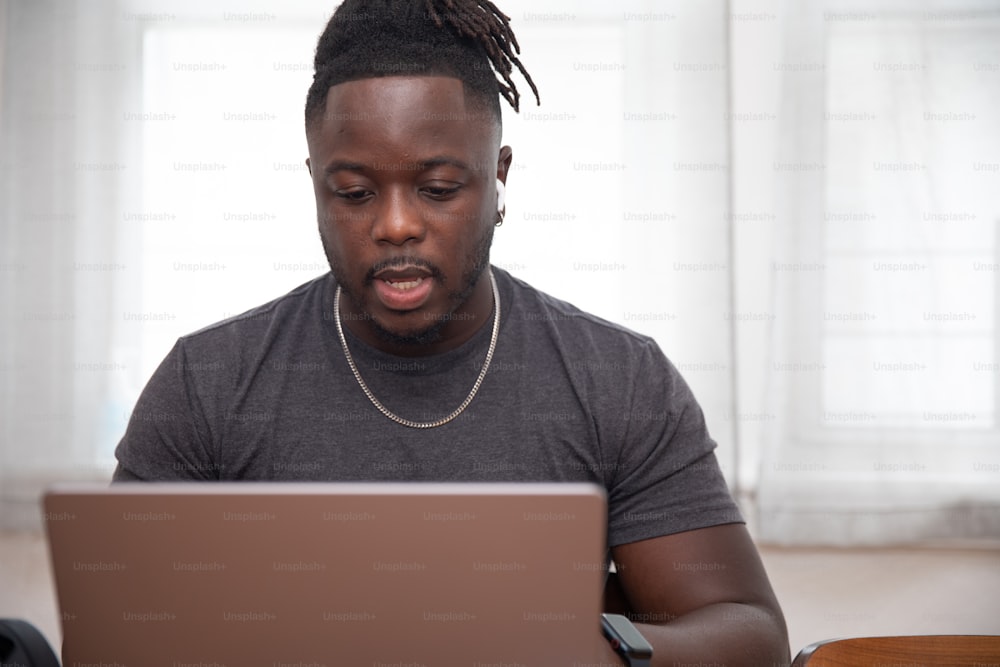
(268, 395)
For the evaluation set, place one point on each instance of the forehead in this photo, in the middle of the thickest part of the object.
(399, 93)
(409, 114)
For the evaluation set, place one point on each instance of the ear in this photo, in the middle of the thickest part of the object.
(503, 163)
(309, 166)
(503, 166)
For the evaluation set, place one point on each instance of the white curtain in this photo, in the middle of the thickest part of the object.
(66, 176)
(875, 271)
(848, 150)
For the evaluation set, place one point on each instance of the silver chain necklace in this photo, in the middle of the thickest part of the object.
(468, 399)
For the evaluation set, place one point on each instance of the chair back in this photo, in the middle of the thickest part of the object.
(22, 644)
(924, 650)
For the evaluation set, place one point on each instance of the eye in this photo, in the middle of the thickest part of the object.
(354, 195)
(440, 192)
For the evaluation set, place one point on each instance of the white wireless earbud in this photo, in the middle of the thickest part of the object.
(501, 195)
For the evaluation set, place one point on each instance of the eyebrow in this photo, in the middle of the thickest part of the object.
(444, 160)
(437, 161)
(343, 165)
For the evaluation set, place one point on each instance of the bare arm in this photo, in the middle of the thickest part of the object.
(700, 597)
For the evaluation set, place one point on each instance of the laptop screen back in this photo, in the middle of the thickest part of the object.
(328, 574)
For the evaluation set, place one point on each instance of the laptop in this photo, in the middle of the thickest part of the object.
(327, 574)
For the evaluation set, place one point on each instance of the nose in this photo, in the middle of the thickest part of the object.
(398, 219)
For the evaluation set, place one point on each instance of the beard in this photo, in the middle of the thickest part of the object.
(474, 264)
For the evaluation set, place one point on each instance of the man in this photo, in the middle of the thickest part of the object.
(414, 359)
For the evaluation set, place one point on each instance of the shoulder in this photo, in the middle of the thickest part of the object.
(303, 304)
(539, 311)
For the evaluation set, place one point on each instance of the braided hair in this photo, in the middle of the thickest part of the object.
(465, 39)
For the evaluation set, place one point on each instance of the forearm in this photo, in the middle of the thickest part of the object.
(724, 635)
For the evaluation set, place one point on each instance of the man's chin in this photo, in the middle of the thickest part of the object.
(409, 337)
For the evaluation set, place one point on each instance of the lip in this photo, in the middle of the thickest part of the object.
(403, 273)
(403, 288)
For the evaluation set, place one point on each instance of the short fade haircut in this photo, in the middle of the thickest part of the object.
(464, 39)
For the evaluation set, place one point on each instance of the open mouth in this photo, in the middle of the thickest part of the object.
(403, 288)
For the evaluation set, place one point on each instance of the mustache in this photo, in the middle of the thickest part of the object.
(402, 260)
